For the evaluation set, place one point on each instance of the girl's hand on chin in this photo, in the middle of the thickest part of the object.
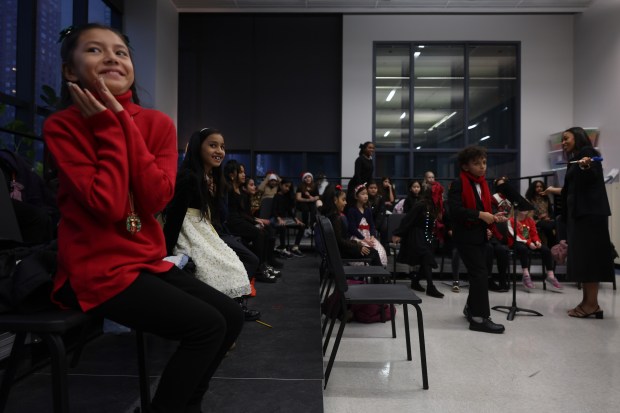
(84, 100)
(107, 97)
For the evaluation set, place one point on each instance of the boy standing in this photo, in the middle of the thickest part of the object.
(469, 200)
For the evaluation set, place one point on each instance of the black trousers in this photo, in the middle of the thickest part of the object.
(248, 258)
(501, 253)
(523, 252)
(251, 234)
(474, 256)
(177, 306)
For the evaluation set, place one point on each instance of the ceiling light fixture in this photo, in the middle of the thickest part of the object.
(445, 118)
(386, 134)
(484, 138)
(391, 95)
(470, 127)
(418, 147)
(416, 54)
(421, 46)
(403, 115)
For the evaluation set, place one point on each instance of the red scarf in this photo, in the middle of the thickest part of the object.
(469, 199)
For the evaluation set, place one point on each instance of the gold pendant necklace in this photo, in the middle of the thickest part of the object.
(133, 222)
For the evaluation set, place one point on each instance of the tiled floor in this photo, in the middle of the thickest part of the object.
(552, 363)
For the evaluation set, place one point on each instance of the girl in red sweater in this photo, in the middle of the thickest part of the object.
(527, 240)
(117, 168)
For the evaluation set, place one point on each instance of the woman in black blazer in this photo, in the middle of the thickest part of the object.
(586, 207)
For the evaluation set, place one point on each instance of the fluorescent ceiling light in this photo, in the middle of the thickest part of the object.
(439, 77)
(391, 95)
(484, 138)
(392, 77)
(421, 46)
(418, 147)
(472, 126)
(445, 118)
(385, 135)
(416, 54)
(403, 115)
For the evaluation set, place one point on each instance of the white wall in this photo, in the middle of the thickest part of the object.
(152, 27)
(597, 75)
(546, 71)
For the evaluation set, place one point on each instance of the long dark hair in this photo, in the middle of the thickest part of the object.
(194, 164)
(330, 194)
(531, 193)
(581, 139)
(232, 166)
(425, 197)
(67, 48)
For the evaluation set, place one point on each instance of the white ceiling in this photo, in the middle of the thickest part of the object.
(385, 6)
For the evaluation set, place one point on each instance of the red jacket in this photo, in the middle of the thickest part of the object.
(99, 160)
(521, 225)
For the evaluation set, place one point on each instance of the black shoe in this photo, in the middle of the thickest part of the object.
(486, 326)
(296, 252)
(432, 291)
(466, 313)
(265, 276)
(415, 285)
(503, 287)
(273, 271)
(493, 286)
(250, 315)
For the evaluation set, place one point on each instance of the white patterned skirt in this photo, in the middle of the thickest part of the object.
(375, 244)
(216, 263)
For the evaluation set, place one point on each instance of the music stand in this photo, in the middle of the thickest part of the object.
(521, 204)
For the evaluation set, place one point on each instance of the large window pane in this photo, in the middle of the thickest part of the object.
(8, 51)
(52, 17)
(438, 96)
(492, 95)
(99, 12)
(392, 82)
(394, 166)
(443, 165)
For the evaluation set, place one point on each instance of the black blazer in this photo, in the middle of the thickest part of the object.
(467, 228)
(588, 186)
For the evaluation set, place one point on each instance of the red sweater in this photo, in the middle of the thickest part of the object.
(521, 225)
(99, 159)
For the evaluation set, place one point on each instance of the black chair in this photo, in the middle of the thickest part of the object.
(51, 326)
(351, 272)
(381, 294)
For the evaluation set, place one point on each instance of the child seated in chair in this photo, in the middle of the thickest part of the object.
(526, 240)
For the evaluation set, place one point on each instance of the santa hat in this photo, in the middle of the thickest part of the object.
(303, 176)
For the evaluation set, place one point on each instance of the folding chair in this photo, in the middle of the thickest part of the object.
(369, 294)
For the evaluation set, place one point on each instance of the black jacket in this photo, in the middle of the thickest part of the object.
(467, 228)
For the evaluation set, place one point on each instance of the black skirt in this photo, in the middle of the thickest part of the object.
(590, 255)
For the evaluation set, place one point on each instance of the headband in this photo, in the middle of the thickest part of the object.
(360, 187)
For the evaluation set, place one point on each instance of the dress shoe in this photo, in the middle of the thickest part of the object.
(265, 276)
(493, 286)
(415, 285)
(273, 271)
(486, 326)
(432, 291)
(466, 313)
(503, 287)
(250, 315)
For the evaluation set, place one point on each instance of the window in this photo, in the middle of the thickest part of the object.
(433, 99)
(25, 104)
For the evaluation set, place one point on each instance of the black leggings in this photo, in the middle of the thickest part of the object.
(177, 306)
(523, 253)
